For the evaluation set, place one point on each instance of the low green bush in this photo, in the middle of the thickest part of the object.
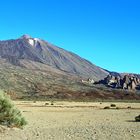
(113, 105)
(9, 115)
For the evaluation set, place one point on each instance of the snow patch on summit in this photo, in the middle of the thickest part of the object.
(31, 42)
(36, 39)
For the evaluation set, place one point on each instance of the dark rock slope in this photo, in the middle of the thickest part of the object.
(31, 50)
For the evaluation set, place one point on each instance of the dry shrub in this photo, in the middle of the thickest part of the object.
(137, 118)
(113, 105)
(9, 115)
(106, 107)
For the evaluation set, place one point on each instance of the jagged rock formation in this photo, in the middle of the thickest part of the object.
(129, 82)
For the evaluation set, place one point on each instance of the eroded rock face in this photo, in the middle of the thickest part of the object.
(128, 82)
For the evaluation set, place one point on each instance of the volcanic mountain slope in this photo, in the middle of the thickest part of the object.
(33, 68)
(29, 52)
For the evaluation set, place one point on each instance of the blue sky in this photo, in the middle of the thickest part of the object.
(106, 32)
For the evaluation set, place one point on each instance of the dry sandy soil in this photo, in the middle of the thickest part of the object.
(75, 121)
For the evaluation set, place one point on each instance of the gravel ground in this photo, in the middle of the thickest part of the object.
(75, 121)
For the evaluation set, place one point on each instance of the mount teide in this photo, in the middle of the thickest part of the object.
(26, 49)
(33, 68)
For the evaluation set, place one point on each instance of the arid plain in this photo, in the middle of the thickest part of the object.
(75, 121)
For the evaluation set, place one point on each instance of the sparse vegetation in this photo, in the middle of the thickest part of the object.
(34, 101)
(9, 115)
(137, 118)
(52, 103)
(129, 107)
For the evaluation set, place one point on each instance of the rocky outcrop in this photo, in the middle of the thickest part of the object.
(128, 82)
(88, 81)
